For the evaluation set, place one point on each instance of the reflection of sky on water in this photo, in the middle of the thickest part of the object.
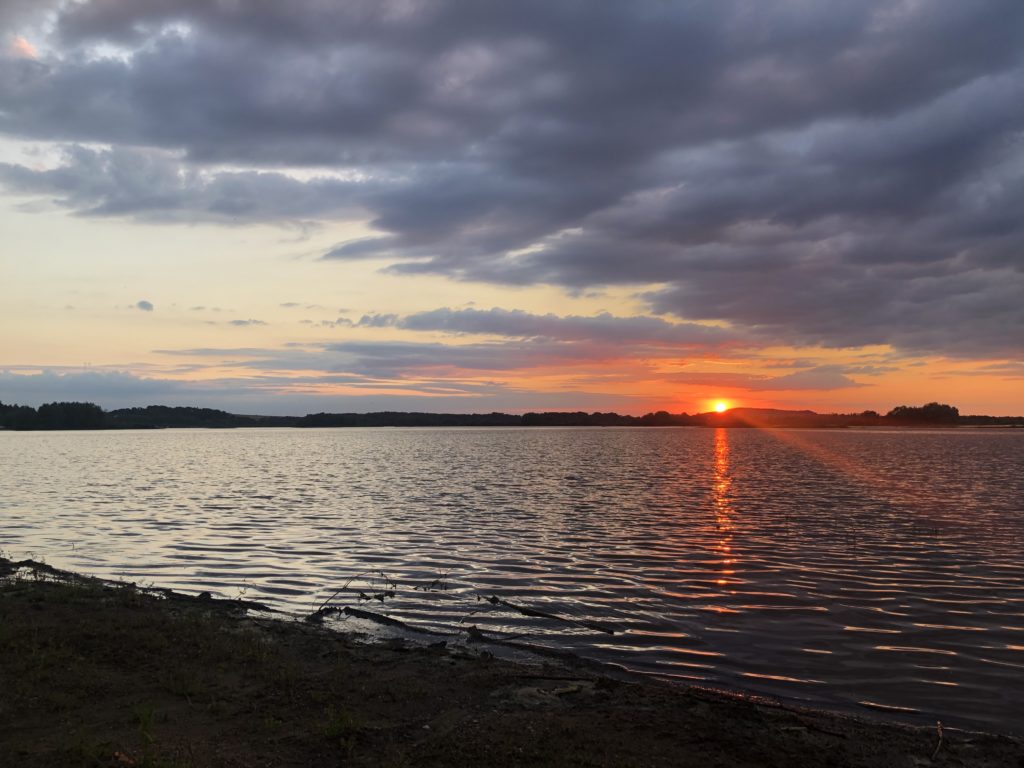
(843, 568)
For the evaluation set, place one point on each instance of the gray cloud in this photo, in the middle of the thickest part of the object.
(145, 306)
(603, 327)
(822, 378)
(110, 389)
(376, 321)
(758, 161)
(410, 359)
(17, 13)
(366, 247)
(277, 396)
(398, 360)
(156, 186)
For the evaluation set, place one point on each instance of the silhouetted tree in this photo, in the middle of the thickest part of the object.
(18, 417)
(658, 419)
(70, 416)
(935, 413)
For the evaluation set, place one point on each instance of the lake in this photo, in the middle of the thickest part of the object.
(873, 571)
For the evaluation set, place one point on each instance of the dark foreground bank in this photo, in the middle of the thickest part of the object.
(95, 674)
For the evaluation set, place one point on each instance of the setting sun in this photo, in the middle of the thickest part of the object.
(721, 405)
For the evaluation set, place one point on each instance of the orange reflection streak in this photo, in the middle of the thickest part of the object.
(870, 480)
(725, 514)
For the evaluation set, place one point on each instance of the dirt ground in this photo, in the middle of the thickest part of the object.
(93, 674)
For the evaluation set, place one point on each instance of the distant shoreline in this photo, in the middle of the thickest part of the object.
(859, 428)
(88, 416)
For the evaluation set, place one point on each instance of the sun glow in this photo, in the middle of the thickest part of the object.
(721, 406)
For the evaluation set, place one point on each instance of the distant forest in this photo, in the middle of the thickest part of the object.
(91, 416)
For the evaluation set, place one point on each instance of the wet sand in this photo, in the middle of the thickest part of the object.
(101, 674)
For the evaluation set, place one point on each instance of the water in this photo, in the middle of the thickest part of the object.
(856, 570)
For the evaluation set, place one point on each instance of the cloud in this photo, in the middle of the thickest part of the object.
(757, 163)
(270, 395)
(376, 321)
(21, 48)
(602, 327)
(363, 248)
(821, 378)
(414, 359)
(245, 323)
(157, 186)
(145, 306)
(109, 388)
(19, 14)
(1010, 369)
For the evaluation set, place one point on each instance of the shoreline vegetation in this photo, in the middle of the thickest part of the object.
(80, 415)
(100, 673)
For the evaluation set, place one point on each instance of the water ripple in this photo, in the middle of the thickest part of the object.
(860, 570)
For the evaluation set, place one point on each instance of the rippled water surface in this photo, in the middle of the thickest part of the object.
(852, 569)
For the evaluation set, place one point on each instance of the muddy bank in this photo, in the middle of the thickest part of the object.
(94, 674)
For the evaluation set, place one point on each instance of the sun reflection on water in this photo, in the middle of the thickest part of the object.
(886, 564)
(725, 513)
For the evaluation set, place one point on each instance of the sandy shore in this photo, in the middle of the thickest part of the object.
(97, 674)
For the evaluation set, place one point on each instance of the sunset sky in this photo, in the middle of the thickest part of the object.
(281, 208)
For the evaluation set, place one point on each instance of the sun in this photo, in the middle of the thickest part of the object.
(721, 406)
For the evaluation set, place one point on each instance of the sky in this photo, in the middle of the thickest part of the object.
(485, 205)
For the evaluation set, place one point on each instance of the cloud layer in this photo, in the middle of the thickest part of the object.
(845, 174)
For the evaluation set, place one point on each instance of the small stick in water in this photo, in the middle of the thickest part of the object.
(938, 726)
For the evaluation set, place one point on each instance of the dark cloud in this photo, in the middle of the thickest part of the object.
(602, 327)
(156, 186)
(843, 173)
(145, 306)
(17, 13)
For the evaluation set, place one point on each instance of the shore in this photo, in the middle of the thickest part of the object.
(94, 673)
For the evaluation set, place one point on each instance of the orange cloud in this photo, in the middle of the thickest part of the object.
(23, 49)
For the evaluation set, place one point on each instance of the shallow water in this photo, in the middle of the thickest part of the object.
(857, 570)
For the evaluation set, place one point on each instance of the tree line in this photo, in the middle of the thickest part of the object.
(76, 415)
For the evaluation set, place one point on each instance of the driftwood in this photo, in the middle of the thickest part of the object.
(537, 614)
(380, 618)
(477, 635)
(325, 611)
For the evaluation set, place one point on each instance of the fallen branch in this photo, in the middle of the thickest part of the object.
(938, 726)
(538, 614)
